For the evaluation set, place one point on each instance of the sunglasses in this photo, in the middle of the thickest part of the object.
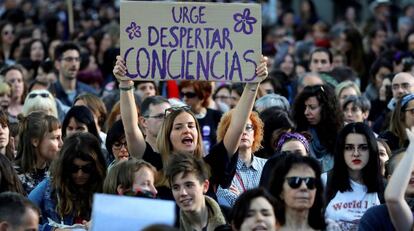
(295, 182)
(43, 95)
(87, 168)
(172, 109)
(188, 94)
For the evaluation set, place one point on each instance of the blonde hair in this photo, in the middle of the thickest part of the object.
(35, 101)
(257, 123)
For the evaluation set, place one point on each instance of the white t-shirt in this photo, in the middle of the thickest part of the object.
(347, 208)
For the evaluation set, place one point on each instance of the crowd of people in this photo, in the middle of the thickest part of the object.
(322, 141)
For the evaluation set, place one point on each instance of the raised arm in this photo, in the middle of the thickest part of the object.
(400, 212)
(129, 114)
(242, 111)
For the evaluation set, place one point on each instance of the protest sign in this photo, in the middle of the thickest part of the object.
(190, 41)
(113, 212)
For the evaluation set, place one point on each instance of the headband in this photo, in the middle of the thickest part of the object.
(292, 136)
(406, 99)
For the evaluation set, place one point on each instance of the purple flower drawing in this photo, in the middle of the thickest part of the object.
(133, 30)
(244, 22)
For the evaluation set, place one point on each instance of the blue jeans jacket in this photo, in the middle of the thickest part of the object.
(42, 197)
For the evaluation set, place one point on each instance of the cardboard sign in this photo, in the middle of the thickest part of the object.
(113, 212)
(191, 41)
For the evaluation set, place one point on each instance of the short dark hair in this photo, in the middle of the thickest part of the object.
(152, 100)
(115, 134)
(359, 101)
(186, 164)
(242, 205)
(13, 206)
(62, 48)
(322, 50)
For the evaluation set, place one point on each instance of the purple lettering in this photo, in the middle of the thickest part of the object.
(163, 37)
(197, 39)
(188, 76)
(138, 63)
(235, 66)
(337, 206)
(168, 64)
(216, 39)
(177, 20)
(175, 38)
(226, 38)
(185, 14)
(183, 33)
(189, 38)
(161, 65)
(213, 59)
(150, 41)
(129, 75)
(201, 14)
(203, 66)
(247, 60)
(207, 30)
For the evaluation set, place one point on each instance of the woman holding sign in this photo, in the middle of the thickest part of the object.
(180, 132)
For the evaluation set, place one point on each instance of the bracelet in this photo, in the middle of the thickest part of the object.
(126, 88)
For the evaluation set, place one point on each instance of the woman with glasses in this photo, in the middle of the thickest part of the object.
(355, 182)
(298, 190)
(116, 143)
(65, 198)
(180, 131)
(401, 118)
(316, 110)
(40, 140)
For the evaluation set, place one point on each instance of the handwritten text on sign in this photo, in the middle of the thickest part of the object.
(191, 41)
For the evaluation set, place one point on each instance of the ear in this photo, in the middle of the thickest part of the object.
(365, 115)
(57, 64)
(120, 190)
(4, 226)
(35, 142)
(206, 184)
(142, 121)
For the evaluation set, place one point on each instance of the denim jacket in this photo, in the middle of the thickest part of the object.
(42, 197)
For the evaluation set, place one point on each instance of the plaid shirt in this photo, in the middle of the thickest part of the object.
(245, 178)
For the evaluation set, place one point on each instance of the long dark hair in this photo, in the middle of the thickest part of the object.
(75, 200)
(371, 176)
(81, 114)
(331, 117)
(316, 215)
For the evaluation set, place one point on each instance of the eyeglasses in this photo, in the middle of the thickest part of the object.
(172, 109)
(295, 182)
(359, 148)
(43, 95)
(118, 145)
(249, 128)
(158, 116)
(188, 94)
(71, 59)
(87, 168)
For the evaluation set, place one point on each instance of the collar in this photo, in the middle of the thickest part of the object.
(255, 164)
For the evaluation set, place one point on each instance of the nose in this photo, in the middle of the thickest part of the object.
(183, 191)
(60, 143)
(355, 152)
(259, 216)
(306, 111)
(153, 190)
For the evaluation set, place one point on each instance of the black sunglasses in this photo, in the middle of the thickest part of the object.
(188, 94)
(172, 109)
(295, 182)
(43, 95)
(87, 168)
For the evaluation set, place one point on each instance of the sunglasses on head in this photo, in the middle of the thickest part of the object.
(295, 182)
(188, 94)
(87, 168)
(43, 95)
(172, 109)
